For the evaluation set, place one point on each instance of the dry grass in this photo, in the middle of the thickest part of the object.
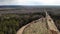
(37, 28)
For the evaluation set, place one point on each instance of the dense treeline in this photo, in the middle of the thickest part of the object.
(10, 23)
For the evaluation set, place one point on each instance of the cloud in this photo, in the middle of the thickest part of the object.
(39, 2)
(6, 2)
(29, 2)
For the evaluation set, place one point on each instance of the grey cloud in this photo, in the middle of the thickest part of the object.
(6, 2)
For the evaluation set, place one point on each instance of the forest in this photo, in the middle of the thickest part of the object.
(10, 23)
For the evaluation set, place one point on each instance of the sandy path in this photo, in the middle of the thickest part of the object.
(21, 29)
(50, 24)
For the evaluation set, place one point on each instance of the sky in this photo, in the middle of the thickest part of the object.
(29, 2)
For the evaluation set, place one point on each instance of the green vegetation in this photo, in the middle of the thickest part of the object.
(10, 23)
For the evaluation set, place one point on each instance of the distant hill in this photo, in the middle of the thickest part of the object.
(20, 6)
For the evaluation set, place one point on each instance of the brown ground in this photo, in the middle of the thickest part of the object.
(40, 26)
